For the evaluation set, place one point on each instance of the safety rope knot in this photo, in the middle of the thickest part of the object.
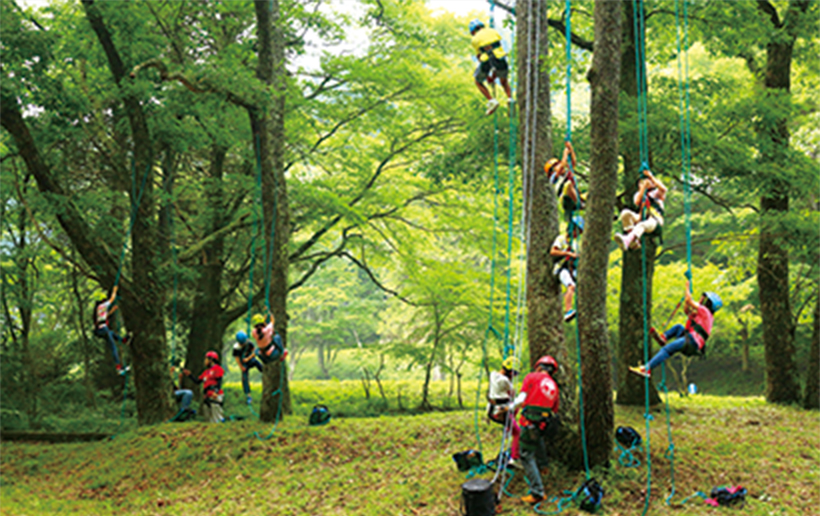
(670, 452)
(277, 391)
(648, 416)
(644, 166)
(688, 274)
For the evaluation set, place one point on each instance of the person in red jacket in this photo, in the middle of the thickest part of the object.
(211, 380)
(539, 401)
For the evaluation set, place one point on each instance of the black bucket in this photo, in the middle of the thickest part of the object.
(477, 498)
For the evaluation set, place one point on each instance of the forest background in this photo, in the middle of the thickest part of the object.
(378, 194)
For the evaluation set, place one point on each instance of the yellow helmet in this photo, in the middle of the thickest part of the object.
(510, 364)
(257, 319)
(549, 164)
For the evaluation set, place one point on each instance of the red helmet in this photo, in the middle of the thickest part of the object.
(212, 354)
(547, 362)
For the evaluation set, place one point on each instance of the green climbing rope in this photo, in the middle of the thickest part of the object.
(640, 72)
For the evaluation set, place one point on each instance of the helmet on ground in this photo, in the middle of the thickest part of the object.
(257, 319)
(548, 363)
(241, 337)
(713, 301)
(578, 222)
(549, 164)
(475, 25)
(510, 364)
(213, 355)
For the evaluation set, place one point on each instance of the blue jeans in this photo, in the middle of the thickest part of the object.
(531, 470)
(104, 332)
(677, 332)
(250, 364)
(184, 397)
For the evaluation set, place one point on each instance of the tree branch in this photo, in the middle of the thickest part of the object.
(375, 280)
(768, 9)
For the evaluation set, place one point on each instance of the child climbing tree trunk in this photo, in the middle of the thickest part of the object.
(592, 284)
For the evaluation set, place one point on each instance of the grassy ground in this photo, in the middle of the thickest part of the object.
(401, 465)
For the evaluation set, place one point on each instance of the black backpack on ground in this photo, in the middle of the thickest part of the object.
(468, 459)
(320, 415)
(627, 436)
(729, 496)
(589, 496)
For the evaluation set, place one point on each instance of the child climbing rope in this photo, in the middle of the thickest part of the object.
(649, 200)
(268, 342)
(211, 380)
(492, 60)
(564, 253)
(243, 353)
(500, 396)
(560, 175)
(690, 339)
(101, 329)
(539, 401)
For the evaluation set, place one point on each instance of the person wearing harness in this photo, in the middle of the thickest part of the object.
(561, 177)
(564, 254)
(268, 342)
(649, 200)
(491, 60)
(101, 329)
(500, 396)
(690, 339)
(211, 380)
(243, 353)
(539, 401)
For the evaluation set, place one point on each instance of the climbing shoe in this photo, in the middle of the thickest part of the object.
(122, 370)
(569, 316)
(641, 370)
(248, 400)
(659, 337)
(492, 105)
(532, 499)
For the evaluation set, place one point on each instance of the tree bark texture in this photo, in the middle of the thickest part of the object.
(630, 387)
(594, 263)
(782, 385)
(207, 320)
(269, 130)
(811, 398)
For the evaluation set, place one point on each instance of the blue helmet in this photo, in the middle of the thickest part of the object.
(714, 301)
(475, 25)
(241, 337)
(577, 222)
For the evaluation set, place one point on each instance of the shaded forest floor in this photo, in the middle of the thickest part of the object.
(401, 465)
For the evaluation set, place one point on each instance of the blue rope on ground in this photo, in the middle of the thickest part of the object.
(627, 459)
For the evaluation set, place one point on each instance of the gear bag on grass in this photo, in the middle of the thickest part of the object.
(589, 495)
(320, 415)
(468, 459)
(627, 436)
(727, 496)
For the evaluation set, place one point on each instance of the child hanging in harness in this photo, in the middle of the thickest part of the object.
(243, 352)
(690, 339)
(269, 343)
(564, 253)
(500, 397)
(562, 178)
(102, 311)
(492, 60)
(649, 201)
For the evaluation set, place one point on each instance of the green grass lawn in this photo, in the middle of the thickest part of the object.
(401, 465)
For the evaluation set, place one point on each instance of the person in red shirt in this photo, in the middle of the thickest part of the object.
(539, 399)
(690, 339)
(211, 380)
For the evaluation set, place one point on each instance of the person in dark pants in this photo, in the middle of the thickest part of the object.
(243, 353)
(492, 62)
(538, 400)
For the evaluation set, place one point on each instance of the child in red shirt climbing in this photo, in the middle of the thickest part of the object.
(690, 339)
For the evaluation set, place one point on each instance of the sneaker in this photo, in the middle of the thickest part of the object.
(569, 316)
(492, 105)
(641, 371)
(122, 370)
(532, 498)
(619, 238)
(514, 464)
(248, 400)
(659, 337)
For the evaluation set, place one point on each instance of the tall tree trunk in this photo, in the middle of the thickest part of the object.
(811, 399)
(594, 263)
(207, 323)
(425, 390)
(782, 384)
(630, 320)
(269, 130)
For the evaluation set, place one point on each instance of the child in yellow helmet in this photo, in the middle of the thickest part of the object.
(492, 61)
(268, 342)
